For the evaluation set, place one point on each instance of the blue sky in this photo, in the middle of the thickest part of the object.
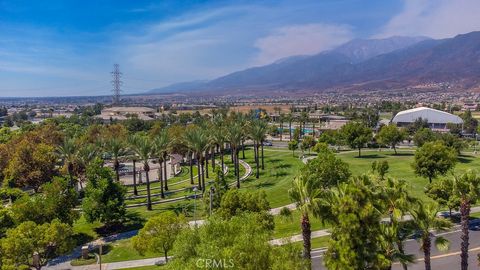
(64, 48)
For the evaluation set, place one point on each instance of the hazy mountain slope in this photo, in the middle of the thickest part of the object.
(384, 63)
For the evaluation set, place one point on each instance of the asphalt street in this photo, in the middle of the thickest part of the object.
(448, 260)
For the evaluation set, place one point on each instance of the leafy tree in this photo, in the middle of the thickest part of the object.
(391, 135)
(356, 135)
(425, 220)
(380, 167)
(159, 233)
(235, 202)
(309, 142)
(467, 189)
(442, 191)
(470, 124)
(57, 200)
(329, 137)
(354, 210)
(418, 124)
(432, 159)
(6, 220)
(238, 243)
(292, 146)
(104, 198)
(423, 135)
(321, 148)
(47, 240)
(326, 171)
(31, 165)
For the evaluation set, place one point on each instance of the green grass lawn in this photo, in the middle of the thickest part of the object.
(400, 166)
(122, 250)
(280, 169)
(291, 226)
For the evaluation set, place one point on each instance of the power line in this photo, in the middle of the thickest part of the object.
(117, 83)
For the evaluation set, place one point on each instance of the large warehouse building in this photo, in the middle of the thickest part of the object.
(436, 119)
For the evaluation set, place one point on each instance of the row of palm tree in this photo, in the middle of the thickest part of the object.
(203, 142)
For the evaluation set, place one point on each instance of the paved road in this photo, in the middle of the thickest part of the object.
(449, 260)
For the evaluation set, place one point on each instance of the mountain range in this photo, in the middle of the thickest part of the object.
(391, 63)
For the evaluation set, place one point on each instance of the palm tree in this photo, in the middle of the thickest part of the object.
(467, 188)
(281, 118)
(289, 118)
(68, 153)
(198, 141)
(143, 148)
(307, 197)
(235, 137)
(134, 158)
(117, 148)
(160, 143)
(398, 202)
(258, 130)
(218, 139)
(86, 154)
(425, 219)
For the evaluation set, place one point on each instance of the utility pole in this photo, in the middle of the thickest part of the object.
(117, 83)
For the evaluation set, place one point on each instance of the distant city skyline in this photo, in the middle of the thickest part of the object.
(68, 48)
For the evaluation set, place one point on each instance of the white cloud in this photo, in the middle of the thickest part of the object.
(434, 18)
(300, 40)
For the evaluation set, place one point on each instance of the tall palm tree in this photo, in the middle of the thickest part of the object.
(258, 130)
(133, 156)
(160, 143)
(117, 148)
(144, 148)
(307, 197)
(68, 154)
(235, 137)
(198, 141)
(397, 202)
(467, 188)
(425, 219)
(281, 118)
(289, 118)
(86, 154)
(218, 139)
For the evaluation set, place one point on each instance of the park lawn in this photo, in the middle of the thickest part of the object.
(400, 166)
(280, 169)
(319, 242)
(122, 250)
(285, 227)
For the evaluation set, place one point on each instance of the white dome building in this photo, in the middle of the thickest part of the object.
(436, 119)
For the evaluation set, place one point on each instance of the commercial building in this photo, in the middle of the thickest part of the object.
(437, 120)
(123, 113)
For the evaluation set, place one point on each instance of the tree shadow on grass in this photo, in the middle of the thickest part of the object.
(82, 238)
(400, 154)
(284, 166)
(264, 185)
(463, 159)
(133, 221)
(369, 156)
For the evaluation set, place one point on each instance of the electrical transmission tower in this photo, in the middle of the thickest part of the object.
(117, 83)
